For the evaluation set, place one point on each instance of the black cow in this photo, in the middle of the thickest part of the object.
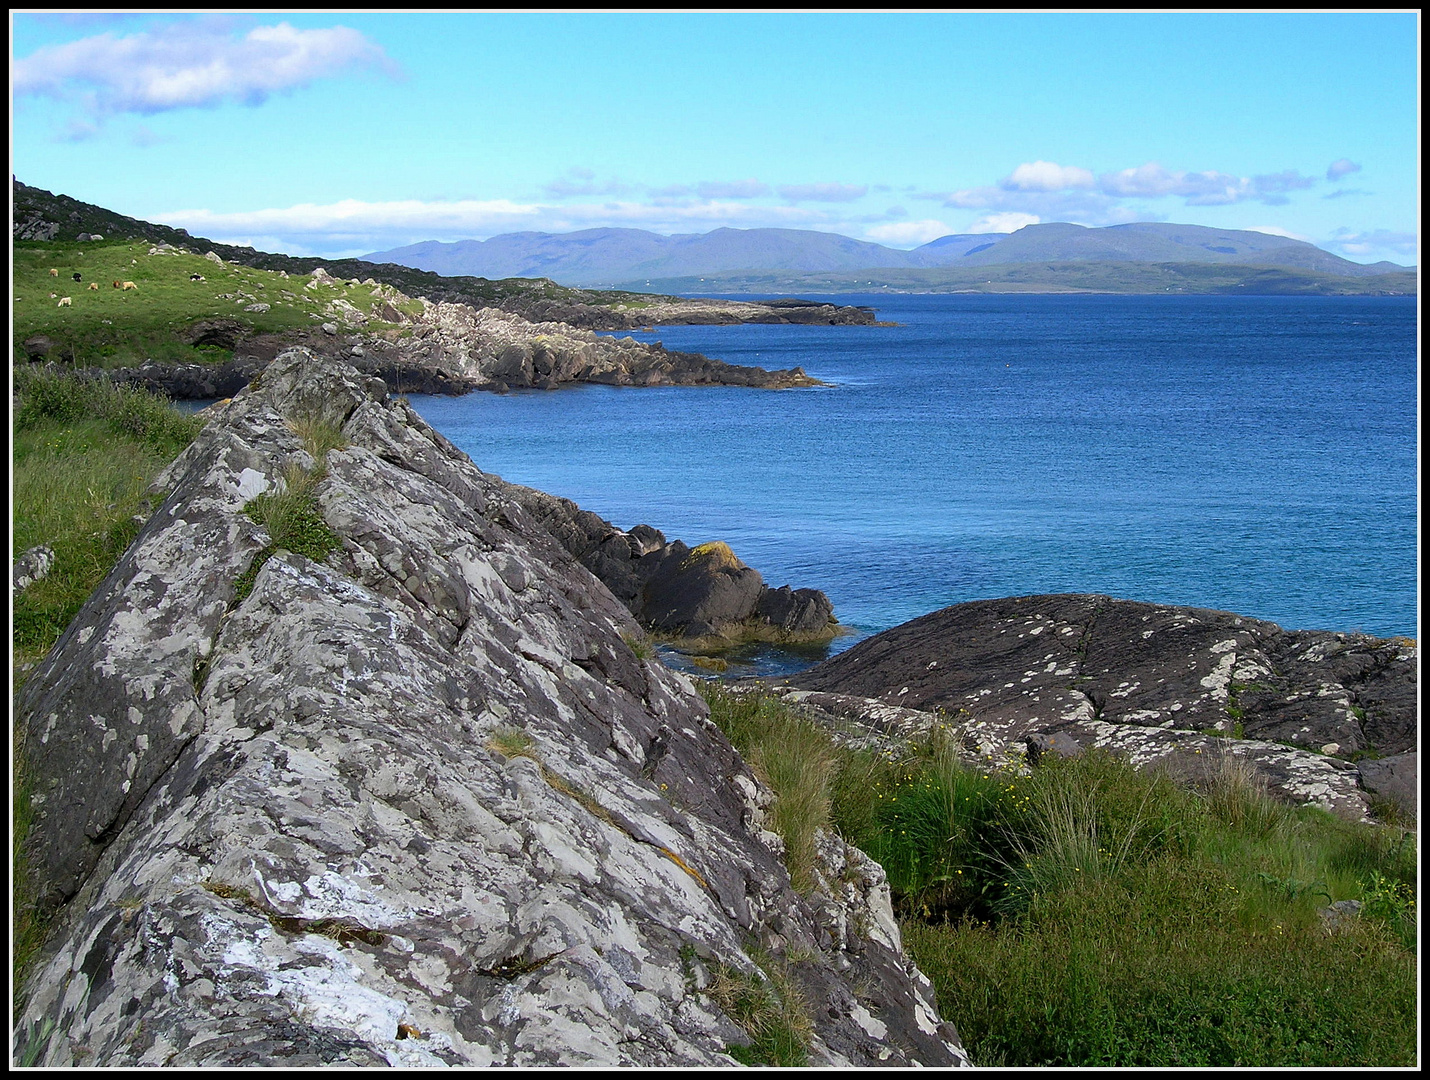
(76, 275)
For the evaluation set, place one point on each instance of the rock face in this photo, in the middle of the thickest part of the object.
(702, 592)
(418, 804)
(1175, 685)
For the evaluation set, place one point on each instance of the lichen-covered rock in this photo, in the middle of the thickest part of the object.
(1175, 686)
(33, 565)
(418, 804)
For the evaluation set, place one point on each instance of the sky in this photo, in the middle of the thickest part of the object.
(337, 134)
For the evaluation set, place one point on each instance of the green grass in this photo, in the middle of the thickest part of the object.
(1093, 914)
(111, 327)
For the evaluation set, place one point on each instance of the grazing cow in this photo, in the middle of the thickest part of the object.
(128, 285)
(93, 285)
(196, 277)
(116, 284)
(64, 302)
(54, 272)
(76, 275)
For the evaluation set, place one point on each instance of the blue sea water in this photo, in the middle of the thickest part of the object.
(1251, 454)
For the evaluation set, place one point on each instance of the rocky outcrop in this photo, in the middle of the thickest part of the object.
(678, 591)
(1178, 686)
(447, 349)
(701, 311)
(418, 803)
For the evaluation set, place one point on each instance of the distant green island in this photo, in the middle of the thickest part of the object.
(1053, 277)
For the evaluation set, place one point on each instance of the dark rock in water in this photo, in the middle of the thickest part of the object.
(706, 592)
(418, 804)
(1175, 685)
(698, 592)
(795, 610)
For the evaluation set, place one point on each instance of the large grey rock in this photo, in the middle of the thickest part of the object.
(1174, 686)
(417, 805)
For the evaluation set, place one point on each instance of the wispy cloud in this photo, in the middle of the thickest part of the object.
(1341, 167)
(1376, 244)
(1276, 230)
(823, 192)
(191, 64)
(1341, 193)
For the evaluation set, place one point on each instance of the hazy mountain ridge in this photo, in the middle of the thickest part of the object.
(633, 256)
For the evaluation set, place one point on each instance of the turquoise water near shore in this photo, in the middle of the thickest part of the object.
(1251, 454)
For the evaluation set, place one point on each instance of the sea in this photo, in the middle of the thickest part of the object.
(1253, 454)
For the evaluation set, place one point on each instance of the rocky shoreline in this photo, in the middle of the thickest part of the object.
(453, 348)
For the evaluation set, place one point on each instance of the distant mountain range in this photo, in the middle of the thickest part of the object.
(634, 258)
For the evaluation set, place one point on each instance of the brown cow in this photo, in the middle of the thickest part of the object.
(54, 272)
(93, 285)
(116, 284)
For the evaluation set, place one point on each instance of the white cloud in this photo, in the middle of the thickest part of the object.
(1375, 245)
(909, 233)
(1005, 222)
(1341, 167)
(188, 65)
(823, 192)
(1046, 176)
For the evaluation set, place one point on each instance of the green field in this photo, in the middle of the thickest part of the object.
(113, 327)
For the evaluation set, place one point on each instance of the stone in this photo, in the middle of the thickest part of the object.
(418, 804)
(33, 565)
(1395, 779)
(1176, 687)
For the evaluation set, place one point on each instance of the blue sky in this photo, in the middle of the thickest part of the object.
(341, 133)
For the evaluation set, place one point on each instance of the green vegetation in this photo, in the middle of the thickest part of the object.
(290, 513)
(771, 1009)
(1092, 914)
(109, 327)
(84, 454)
(1056, 277)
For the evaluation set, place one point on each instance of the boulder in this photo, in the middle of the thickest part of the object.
(33, 565)
(698, 592)
(1394, 779)
(1176, 686)
(416, 803)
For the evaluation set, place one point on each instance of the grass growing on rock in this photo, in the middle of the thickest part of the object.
(1090, 914)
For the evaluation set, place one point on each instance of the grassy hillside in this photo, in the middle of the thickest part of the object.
(109, 327)
(38, 212)
(1054, 277)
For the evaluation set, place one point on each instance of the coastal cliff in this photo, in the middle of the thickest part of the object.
(414, 798)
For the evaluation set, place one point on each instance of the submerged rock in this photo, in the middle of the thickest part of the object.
(417, 803)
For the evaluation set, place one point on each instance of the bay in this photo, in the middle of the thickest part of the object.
(1249, 454)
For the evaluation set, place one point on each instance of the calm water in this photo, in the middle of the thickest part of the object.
(1253, 454)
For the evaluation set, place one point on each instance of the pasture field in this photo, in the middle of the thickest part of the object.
(118, 327)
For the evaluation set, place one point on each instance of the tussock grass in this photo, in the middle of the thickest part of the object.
(796, 758)
(1094, 914)
(771, 1009)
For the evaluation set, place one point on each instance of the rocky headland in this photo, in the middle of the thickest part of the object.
(1324, 718)
(445, 348)
(422, 801)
